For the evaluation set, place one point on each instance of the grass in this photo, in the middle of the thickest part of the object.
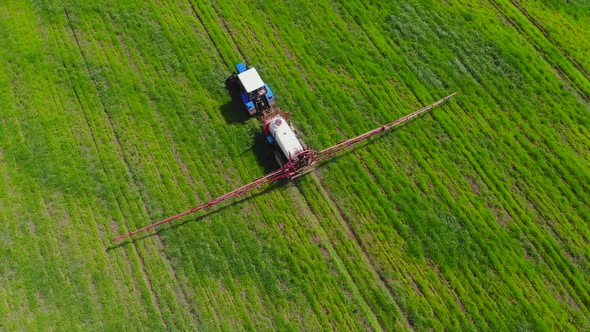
(473, 217)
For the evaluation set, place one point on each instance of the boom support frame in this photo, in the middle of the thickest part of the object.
(302, 163)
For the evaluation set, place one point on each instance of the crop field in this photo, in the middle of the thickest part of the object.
(114, 115)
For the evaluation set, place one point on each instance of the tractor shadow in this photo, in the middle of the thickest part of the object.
(234, 111)
(264, 153)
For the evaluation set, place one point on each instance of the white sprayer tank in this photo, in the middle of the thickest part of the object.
(285, 137)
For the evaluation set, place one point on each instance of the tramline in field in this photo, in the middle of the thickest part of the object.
(293, 156)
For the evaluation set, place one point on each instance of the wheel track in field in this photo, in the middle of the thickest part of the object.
(182, 293)
(564, 77)
(451, 291)
(117, 201)
(147, 278)
(481, 84)
(228, 31)
(348, 227)
(231, 35)
(183, 58)
(228, 36)
(218, 50)
(350, 230)
(512, 211)
(366, 255)
(382, 53)
(336, 256)
(213, 40)
(549, 38)
(58, 102)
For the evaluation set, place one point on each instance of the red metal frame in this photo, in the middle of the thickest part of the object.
(302, 163)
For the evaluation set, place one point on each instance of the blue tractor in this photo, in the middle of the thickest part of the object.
(255, 94)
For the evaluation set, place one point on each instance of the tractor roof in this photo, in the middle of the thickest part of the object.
(250, 80)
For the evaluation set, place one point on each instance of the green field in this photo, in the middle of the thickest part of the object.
(114, 115)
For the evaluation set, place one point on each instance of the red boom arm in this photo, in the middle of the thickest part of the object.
(328, 152)
(303, 160)
(274, 176)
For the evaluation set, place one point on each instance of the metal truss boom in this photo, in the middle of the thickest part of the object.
(296, 166)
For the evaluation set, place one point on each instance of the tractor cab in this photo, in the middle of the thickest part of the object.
(255, 94)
